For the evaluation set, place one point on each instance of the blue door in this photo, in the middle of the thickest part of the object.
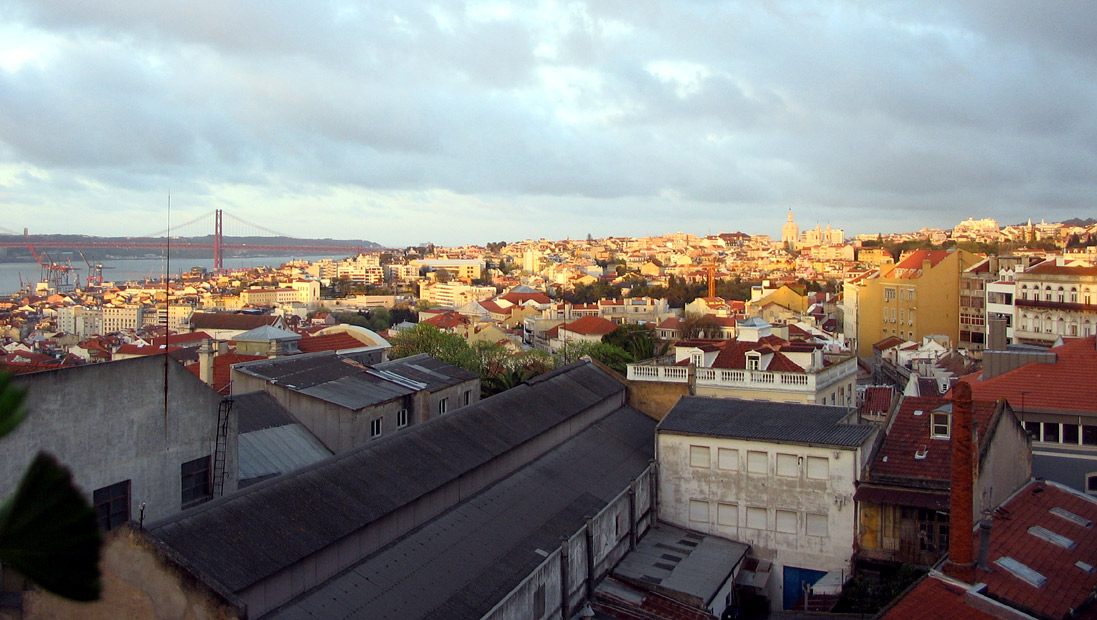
(795, 581)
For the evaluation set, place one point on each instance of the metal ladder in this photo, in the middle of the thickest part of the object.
(221, 447)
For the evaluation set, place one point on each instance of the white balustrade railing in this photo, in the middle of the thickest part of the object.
(724, 377)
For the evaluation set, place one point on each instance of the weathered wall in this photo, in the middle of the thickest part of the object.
(718, 498)
(655, 398)
(107, 423)
(139, 581)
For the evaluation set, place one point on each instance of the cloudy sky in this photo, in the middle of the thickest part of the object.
(468, 122)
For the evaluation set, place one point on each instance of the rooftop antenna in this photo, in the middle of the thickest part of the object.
(167, 270)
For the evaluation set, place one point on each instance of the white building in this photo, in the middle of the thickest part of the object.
(780, 477)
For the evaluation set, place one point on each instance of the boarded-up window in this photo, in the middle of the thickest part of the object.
(756, 518)
(699, 457)
(818, 468)
(698, 510)
(727, 514)
(816, 525)
(786, 465)
(756, 462)
(728, 459)
(786, 521)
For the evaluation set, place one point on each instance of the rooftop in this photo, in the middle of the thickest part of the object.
(753, 420)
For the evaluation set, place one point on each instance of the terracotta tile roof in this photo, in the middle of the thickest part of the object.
(911, 266)
(1049, 267)
(222, 369)
(1067, 385)
(329, 342)
(185, 339)
(733, 354)
(934, 598)
(909, 435)
(447, 320)
(877, 399)
(212, 320)
(670, 323)
(519, 298)
(1068, 586)
(495, 308)
(887, 343)
(590, 326)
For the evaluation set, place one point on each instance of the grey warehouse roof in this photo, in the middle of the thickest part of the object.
(764, 421)
(243, 538)
(461, 563)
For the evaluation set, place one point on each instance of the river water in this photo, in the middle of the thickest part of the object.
(121, 270)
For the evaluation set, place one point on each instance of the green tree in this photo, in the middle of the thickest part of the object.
(611, 355)
(48, 531)
(637, 340)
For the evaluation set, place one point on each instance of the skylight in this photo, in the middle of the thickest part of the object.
(1051, 537)
(1021, 571)
(1070, 516)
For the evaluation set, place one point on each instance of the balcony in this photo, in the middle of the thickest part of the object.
(810, 382)
(1055, 305)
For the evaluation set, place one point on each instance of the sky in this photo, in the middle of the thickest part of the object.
(468, 122)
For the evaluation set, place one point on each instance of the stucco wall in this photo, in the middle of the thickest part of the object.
(139, 581)
(107, 423)
(729, 493)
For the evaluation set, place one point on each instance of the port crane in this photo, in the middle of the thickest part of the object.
(95, 272)
(56, 275)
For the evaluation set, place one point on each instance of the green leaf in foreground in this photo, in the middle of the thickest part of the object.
(11, 405)
(49, 533)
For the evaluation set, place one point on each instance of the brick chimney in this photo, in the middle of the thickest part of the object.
(961, 561)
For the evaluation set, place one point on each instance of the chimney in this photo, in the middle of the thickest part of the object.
(960, 563)
(984, 543)
(997, 335)
(205, 362)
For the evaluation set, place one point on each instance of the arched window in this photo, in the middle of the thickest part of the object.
(1060, 297)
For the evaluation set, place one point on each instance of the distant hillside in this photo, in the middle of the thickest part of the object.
(21, 253)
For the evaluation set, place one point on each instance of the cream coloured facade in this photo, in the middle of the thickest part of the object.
(1055, 299)
(792, 501)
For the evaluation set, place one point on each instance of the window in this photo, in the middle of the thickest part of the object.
(195, 481)
(699, 457)
(754, 362)
(401, 418)
(375, 428)
(889, 294)
(818, 468)
(816, 525)
(442, 405)
(786, 521)
(787, 465)
(939, 425)
(698, 510)
(728, 458)
(756, 462)
(468, 397)
(112, 505)
(756, 518)
(1070, 434)
(697, 359)
(1091, 483)
(1051, 432)
(727, 514)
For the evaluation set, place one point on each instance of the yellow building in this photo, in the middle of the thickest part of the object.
(918, 296)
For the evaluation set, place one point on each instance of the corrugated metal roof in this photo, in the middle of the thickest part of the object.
(683, 561)
(278, 450)
(423, 368)
(764, 421)
(462, 563)
(242, 538)
(358, 391)
(259, 410)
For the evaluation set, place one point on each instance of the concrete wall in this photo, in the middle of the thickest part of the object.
(608, 535)
(139, 581)
(655, 398)
(106, 422)
(1005, 467)
(716, 499)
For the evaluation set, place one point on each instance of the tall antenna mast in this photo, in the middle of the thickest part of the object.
(167, 272)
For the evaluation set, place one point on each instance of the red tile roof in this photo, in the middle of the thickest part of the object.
(1067, 385)
(329, 342)
(519, 298)
(1049, 267)
(911, 266)
(212, 320)
(909, 434)
(935, 598)
(222, 369)
(590, 326)
(877, 399)
(1068, 587)
(447, 320)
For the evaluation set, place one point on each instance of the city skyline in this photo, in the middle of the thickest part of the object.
(487, 121)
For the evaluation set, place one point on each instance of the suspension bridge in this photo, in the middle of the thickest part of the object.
(192, 235)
